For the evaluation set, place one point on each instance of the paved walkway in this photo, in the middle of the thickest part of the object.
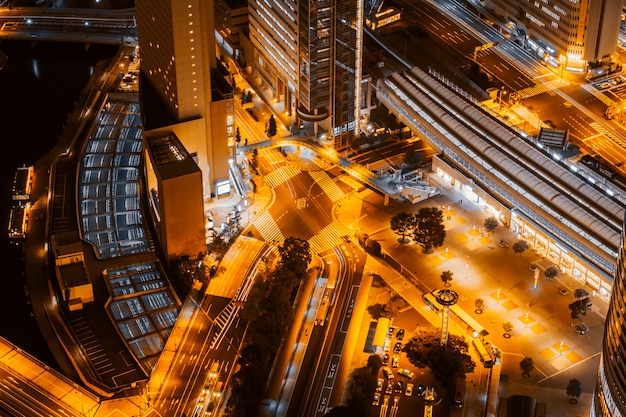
(538, 312)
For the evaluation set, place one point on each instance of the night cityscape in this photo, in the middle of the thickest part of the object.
(313, 208)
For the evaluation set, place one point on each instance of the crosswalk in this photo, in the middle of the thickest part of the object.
(534, 90)
(327, 184)
(598, 94)
(329, 237)
(604, 131)
(281, 175)
(267, 227)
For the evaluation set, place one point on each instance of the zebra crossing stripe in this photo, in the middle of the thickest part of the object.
(327, 184)
(281, 175)
(268, 228)
(329, 237)
(533, 91)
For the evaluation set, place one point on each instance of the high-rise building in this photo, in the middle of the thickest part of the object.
(564, 32)
(182, 88)
(610, 396)
(309, 54)
(186, 96)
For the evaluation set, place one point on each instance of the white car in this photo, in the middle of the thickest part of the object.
(376, 399)
(406, 373)
(379, 385)
(409, 390)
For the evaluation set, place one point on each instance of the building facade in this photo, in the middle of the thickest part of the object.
(610, 396)
(179, 65)
(564, 32)
(174, 184)
(309, 54)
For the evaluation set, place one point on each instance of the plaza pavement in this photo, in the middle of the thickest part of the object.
(538, 312)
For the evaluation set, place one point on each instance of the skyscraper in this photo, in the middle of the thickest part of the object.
(569, 33)
(309, 54)
(610, 397)
(186, 101)
(178, 66)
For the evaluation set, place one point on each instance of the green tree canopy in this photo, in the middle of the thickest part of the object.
(552, 271)
(527, 365)
(491, 224)
(295, 255)
(271, 126)
(429, 230)
(520, 246)
(425, 350)
(402, 224)
(446, 277)
(574, 389)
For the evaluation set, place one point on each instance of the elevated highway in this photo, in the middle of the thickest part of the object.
(577, 222)
(115, 26)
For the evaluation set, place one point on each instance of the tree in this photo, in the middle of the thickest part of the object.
(508, 328)
(425, 350)
(579, 309)
(574, 390)
(271, 126)
(373, 247)
(526, 365)
(392, 307)
(520, 246)
(446, 277)
(491, 223)
(429, 229)
(295, 254)
(479, 305)
(374, 363)
(552, 272)
(402, 224)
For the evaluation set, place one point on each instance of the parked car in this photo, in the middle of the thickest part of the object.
(389, 389)
(398, 387)
(409, 390)
(395, 362)
(385, 358)
(420, 389)
(407, 373)
(387, 372)
(379, 385)
(397, 348)
(376, 399)
(400, 334)
(503, 243)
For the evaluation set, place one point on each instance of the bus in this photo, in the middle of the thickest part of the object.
(483, 353)
(325, 303)
(471, 324)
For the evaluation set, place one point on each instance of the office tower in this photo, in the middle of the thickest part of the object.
(179, 68)
(610, 396)
(564, 32)
(231, 25)
(309, 54)
(174, 182)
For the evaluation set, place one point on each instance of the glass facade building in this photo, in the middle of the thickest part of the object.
(610, 396)
(309, 54)
(565, 32)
